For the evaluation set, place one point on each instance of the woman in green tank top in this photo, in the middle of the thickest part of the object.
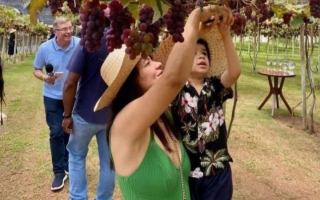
(148, 156)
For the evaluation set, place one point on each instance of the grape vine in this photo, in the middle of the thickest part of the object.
(315, 8)
(55, 6)
(175, 19)
(238, 27)
(120, 23)
(141, 35)
(93, 23)
(74, 5)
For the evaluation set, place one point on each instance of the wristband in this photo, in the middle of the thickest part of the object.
(66, 116)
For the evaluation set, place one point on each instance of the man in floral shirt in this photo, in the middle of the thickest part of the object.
(198, 112)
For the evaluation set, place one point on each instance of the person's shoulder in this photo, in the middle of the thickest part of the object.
(46, 43)
(45, 46)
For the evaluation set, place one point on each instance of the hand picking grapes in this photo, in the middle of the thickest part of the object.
(216, 15)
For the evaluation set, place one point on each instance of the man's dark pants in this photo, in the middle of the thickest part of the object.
(58, 139)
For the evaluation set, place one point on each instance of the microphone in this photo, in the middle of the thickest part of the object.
(49, 69)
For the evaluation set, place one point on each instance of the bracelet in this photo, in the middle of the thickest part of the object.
(66, 116)
(43, 77)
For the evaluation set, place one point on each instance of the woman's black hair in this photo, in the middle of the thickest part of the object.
(130, 91)
(205, 44)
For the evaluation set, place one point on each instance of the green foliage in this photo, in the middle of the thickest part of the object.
(160, 7)
(297, 21)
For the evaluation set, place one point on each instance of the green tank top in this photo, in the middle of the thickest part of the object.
(156, 178)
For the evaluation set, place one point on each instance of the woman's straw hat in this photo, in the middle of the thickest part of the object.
(114, 71)
(118, 66)
(218, 62)
(12, 30)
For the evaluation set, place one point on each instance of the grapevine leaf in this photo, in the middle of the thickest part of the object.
(150, 3)
(26, 4)
(159, 7)
(34, 7)
(133, 9)
(8, 12)
(278, 10)
(296, 21)
(162, 9)
(125, 3)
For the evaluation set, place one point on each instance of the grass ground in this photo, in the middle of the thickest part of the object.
(273, 157)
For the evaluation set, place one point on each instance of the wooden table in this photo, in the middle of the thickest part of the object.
(275, 89)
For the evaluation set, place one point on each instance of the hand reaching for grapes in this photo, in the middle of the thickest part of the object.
(227, 21)
(210, 13)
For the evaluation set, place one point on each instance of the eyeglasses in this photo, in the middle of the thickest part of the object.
(65, 29)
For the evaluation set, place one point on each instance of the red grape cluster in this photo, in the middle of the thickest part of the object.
(235, 4)
(239, 24)
(263, 12)
(315, 8)
(138, 43)
(120, 20)
(145, 18)
(287, 18)
(190, 5)
(74, 6)
(175, 19)
(248, 12)
(143, 40)
(55, 6)
(93, 23)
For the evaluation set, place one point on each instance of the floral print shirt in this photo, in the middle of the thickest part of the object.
(200, 119)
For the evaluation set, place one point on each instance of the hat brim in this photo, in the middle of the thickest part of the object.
(116, 84)
(218, 62)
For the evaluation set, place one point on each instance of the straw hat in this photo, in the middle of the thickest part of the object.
(114, 71)
(218, 62)
(12, 30)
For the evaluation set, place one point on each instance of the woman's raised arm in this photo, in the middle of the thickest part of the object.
(135, 119)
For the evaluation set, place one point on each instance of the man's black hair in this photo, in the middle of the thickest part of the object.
(205, 44)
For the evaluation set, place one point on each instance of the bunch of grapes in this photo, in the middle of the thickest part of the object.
(315, 8)
(93, 23)
(239, 24)
(142, 41)
(248, 12)
(55, 6)
(264, 11)
(287, 18)
(175, 19)
(74, 5)
(137, 43)
(235, 4)
(190, 5)
(120, 20)
(146, 15)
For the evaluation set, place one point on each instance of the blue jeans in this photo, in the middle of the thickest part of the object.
(58, 139)
(217, 187)
(82, 133)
